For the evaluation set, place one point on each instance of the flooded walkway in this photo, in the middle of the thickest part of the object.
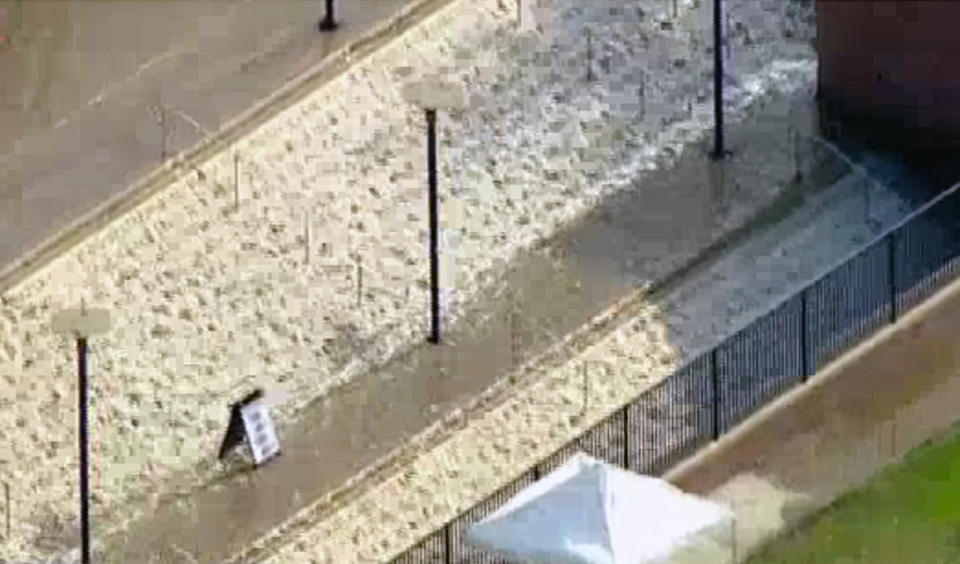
(631, 240)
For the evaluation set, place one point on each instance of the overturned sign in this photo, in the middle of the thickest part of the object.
(250, 421)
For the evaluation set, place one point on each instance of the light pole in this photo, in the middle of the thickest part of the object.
(719, 151)
(80, 324)
(328, 23)
(431, 94)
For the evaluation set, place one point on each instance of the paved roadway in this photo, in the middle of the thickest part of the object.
(80, 83)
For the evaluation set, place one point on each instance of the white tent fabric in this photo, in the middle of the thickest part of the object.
(590, 512)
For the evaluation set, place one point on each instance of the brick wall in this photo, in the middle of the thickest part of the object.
(889, 65)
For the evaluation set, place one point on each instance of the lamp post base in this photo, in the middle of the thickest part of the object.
(327, 24)
(715, 156)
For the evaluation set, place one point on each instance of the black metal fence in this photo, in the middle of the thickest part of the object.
(719, 389)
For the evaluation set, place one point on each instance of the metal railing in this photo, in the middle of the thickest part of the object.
(719, 389)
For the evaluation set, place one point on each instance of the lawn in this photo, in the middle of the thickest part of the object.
(907, 513)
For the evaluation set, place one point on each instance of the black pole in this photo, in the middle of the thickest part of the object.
(328, 23)
(447, 545)
(718, 145)
(589, 55)
(804, 342)
(715, 377)
(84, 486)
(892, 277)
(434, 266)
(626, 437)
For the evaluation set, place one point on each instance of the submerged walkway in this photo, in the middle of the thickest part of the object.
(706, 306)
(555, 290)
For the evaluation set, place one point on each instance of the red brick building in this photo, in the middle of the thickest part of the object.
(890, 70)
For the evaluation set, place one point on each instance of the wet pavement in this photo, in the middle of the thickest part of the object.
(631, 240)
(82, 83)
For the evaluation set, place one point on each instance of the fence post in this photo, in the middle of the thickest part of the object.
(804, 344)
(892, 276)
(626, 436)
(306, 236)
(515, 329)
(643, 95)
(236, 182)
(6, 496)
(590, 76)
(163, 133)
(716, 394)
(359, 280)
(447, 548)
(586, 389)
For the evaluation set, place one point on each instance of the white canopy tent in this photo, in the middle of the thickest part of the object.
(590, 512)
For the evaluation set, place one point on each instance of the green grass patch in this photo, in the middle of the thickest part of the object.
(909, 512)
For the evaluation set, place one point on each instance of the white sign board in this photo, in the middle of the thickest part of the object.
(260, 432)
